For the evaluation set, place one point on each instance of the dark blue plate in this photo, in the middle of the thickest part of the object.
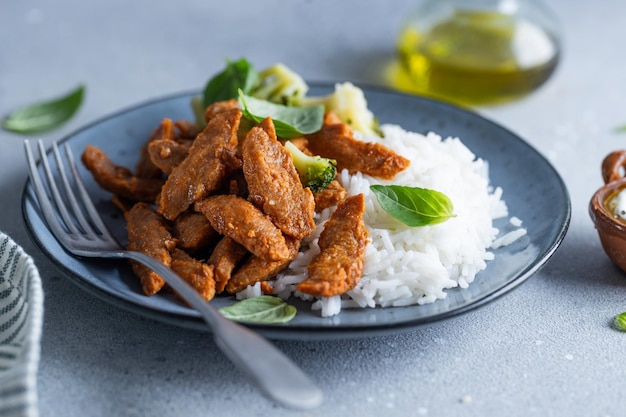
(533, 191)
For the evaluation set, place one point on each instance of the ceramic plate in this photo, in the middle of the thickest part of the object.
(526, 177)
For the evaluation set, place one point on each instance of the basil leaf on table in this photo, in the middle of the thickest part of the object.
(225, 85)
(619, 322)
(46, 115)
(414, 206)
(263, 309)
(290, 122)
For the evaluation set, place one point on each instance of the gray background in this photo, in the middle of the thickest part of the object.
(546, 349)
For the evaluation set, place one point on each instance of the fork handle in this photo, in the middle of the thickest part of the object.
(274, 373)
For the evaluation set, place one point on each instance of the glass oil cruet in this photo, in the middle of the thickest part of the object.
(476, 52)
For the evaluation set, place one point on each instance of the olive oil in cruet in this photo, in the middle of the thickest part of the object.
(476, 52)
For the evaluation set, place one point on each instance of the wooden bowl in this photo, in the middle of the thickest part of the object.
(612, 230)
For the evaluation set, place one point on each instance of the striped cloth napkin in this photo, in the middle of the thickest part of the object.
(21, 316)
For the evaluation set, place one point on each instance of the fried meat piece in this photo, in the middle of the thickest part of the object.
(203, 170)
(240, 220)
(186, 129)
(267, 288)
(237, 184)
(197, 274)
(336, 141)
(329, 196)
(338, 267)
(302, 144)
(145, 167)
(193, 231)
(167, 154)
(117, 179)
(149, 233)
(274, 184)
(220, 107)
(256, 269)
(225, 258)
(123, 204)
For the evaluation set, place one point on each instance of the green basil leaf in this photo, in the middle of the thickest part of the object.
(263, 309)
(619, 322)
(414, 206)
(225, 85)
(290, 122)
(44, 116)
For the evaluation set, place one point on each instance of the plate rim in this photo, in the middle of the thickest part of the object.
(302, 332)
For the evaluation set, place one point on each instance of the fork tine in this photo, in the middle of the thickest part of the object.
(47, 209)
(54, 191)
(77, 211)
(94, 216)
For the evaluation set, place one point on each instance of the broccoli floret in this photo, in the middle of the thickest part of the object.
(279, 84)
(349, 104)
(315, 172)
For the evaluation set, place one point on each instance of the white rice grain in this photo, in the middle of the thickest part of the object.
(508, 238)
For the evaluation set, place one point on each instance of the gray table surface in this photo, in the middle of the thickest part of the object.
(545, 349)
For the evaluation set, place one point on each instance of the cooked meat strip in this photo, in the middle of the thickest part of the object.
(302, 144)
(233, 183)
(237, 184)
(121, 203)
(220, 107)
(329, 196)
(117, 179)
(225, 258)
(331, 118)
(148, 232)
(193, 232)
(197, 274)
(336, 141)
(338, 267)
(274, 184)
(240, 220)
(167, 154)
(203, 170)
(232, 158)
(186, 129)
(256, 269)
(145, 167)
(267, 288)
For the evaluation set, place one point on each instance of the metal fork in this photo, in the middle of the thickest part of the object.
(83, 233)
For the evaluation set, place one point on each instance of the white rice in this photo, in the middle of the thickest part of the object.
(404, 265)
(515, 221)
(508, 238)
